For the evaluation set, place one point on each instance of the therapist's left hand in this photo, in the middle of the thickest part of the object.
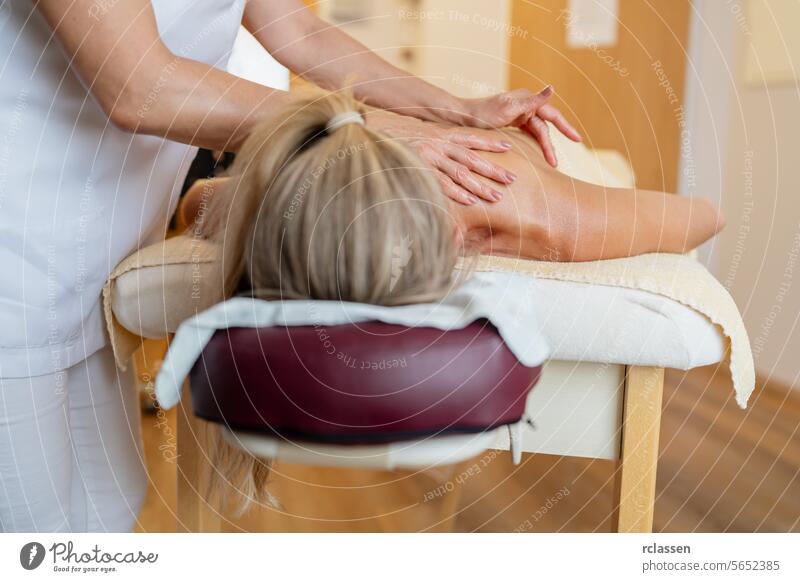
(524, 109)
(450, 151)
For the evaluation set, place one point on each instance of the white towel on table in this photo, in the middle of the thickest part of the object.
(677, 277)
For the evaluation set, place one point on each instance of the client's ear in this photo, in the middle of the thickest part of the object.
(195, 202)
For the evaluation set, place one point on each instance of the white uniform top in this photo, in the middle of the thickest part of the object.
(76, 194)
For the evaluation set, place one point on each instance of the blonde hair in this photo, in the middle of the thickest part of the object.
(336, 215)
(314, 212)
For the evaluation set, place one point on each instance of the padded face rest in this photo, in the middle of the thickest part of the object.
(360, 383)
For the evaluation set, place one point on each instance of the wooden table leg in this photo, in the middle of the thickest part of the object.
(636, 475)
(451, 500)
(194, 513)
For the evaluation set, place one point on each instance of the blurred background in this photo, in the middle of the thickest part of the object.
(703, 99)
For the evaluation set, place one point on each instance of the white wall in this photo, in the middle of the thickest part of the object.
(710, 84)
(746, 153)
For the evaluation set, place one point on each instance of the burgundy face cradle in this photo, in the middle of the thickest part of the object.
(364, 383)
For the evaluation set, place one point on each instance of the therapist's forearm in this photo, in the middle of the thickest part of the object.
(331, 58)
(191, 102)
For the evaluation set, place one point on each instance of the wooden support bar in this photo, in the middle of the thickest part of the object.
(451, 502)
(641, 422)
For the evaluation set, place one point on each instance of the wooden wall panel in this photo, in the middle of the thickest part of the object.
(619, 97)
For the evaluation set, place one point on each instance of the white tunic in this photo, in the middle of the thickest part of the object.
(76, 194)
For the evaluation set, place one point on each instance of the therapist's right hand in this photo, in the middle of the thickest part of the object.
(451, 153)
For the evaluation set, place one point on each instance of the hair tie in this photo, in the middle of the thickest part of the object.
(344, 118)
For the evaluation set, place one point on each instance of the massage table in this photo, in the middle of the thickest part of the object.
(599, 396)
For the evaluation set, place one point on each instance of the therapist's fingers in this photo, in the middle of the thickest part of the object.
(554, 116)
(475, 139)
(539, 130)
(521, 102)
(462, 176)
(481, 166)
(449, 174)
(453, 191)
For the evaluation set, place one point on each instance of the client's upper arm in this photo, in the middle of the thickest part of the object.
(548, 215)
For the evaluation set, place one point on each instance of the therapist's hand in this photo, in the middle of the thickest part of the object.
(523, 109)
(451, 152)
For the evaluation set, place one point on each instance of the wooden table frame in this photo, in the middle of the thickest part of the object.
(635, 483)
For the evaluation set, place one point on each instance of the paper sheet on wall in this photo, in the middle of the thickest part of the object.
(592, 23)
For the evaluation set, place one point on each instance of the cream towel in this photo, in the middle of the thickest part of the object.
(169, 281)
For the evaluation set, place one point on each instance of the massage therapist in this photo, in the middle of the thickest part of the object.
(101, 105)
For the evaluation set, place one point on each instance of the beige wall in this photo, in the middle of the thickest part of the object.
(746, 152)
(461, 45)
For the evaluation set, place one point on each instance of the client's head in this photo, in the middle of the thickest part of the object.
(322, 207)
